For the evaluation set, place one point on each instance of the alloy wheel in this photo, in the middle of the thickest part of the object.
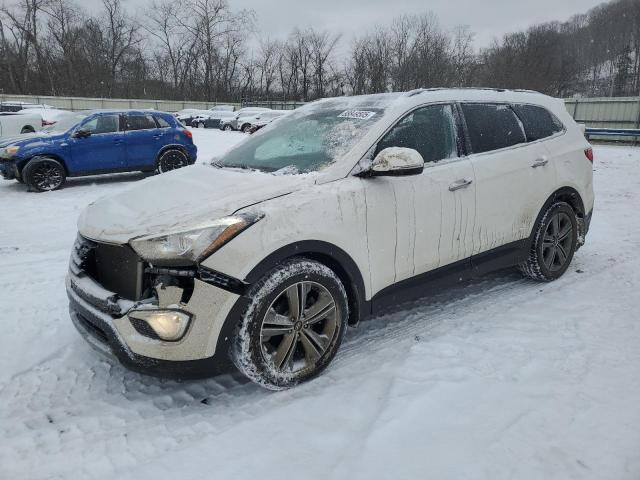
(47, 176)
(557, 242)
(298, 328)
(172, 160)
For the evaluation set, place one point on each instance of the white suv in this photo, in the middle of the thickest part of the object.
(340, 209)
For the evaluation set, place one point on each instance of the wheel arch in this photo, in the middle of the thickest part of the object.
(330, 255)
(53, 156)
(571, 196)
(173, 146)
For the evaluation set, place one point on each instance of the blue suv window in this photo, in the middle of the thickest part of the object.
(162, 123)
(140, 122)
(102, 124)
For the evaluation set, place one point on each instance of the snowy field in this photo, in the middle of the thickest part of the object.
(503, 378)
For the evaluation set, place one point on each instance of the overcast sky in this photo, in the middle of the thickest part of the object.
(487, 18)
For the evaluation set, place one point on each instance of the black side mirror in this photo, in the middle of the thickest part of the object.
(82, 133)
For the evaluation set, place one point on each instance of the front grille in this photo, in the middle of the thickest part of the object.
(117, 268)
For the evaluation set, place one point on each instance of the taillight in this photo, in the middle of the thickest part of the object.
(47, 124)
(588, 152)
(188, 133)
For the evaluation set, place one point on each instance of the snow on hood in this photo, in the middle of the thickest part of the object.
(23, 138)
(185, 199)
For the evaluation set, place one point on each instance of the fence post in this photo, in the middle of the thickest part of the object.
(575, 108)
(637, 121)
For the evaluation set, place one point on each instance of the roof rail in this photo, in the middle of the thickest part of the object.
(411, 93)
(493, 89)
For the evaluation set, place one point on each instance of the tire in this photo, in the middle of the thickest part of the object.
(27, 129)
(227, 128)
(200, 125)
(246, 128)
(286, 351)
(554, 244)
(44, 174)
(172, 160)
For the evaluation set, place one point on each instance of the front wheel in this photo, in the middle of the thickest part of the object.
(293, 327)
(44, 174)
(554, 243)
(227, 128)
(172, 160)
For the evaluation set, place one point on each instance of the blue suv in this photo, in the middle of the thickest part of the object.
(96, 143)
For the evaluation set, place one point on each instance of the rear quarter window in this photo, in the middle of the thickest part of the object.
(538, 122)
(162, 123)
(492, 126)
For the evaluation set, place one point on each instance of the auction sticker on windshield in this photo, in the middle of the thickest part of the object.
(359, 114)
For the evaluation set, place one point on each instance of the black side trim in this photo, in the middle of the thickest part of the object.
(458, 272)
(419, 286)
(501, 257)
(335, 258)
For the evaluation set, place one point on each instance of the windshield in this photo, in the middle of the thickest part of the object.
(64, 123)
(304, 141)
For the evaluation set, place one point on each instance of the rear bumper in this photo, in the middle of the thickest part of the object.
(192, 151)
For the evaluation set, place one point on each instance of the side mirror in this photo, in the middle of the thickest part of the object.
(397, 161)
(82, 133)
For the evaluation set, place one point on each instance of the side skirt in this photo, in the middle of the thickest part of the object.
(441, 278)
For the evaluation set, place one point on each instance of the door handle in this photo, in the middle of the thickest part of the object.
(540, 162)
(457, 185)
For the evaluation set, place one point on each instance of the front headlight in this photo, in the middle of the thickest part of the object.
(11, 150)
(193, 245)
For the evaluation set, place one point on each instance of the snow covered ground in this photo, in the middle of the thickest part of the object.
(504, 378)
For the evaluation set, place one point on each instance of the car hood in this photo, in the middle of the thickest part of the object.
(181, 200)
(29, 139)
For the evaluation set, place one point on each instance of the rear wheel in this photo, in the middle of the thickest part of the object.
(172, 160)
(294, 326)
(554, 244)
(44, 174)
(246, 127)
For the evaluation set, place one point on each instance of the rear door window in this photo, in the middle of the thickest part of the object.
(538, 122)
(492, 126)
(429, 130)
(140, 122)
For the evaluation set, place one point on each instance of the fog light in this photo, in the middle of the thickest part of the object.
(169, 325)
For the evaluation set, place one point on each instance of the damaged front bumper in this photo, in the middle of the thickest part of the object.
(113, 325)
(8, 169)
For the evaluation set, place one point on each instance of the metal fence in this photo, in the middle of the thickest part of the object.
(272, 104)
(81, 103)
(615, 112)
